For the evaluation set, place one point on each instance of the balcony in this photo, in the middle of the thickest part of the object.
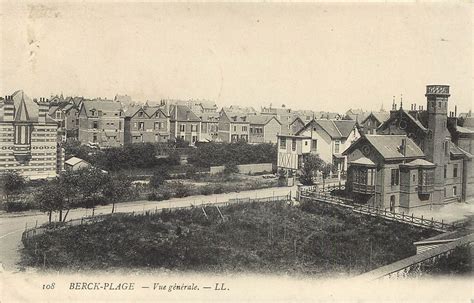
(363, 188)
(425, 189)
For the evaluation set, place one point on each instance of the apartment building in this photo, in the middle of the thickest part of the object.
(101, 123)
(28, 137)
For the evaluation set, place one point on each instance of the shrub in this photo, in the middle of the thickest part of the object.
(13, 206)
(230, 168)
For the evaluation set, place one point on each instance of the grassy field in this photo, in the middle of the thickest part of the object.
(256, 237)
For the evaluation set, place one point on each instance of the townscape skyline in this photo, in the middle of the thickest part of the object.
(306, 56)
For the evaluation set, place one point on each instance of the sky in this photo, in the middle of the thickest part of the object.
(316, 56)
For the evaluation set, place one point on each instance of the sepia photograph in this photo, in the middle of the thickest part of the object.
(236, 152)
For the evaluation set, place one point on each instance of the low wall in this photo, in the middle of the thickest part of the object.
(245, 168)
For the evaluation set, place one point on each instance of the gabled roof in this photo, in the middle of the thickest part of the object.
(261, 119)
(407, 116)
(381, 117)
(182, 113)
(388, 146)
(103, 105)
(344, 127)
(151, 110)
(132, 110)
(336, 129)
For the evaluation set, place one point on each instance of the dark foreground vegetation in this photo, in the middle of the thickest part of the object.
(257, 237)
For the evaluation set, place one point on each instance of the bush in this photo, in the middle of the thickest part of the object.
(12, 206)
(230, 168)
(216, 154)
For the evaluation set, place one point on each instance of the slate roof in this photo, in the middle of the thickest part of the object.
(345, 127)
(381, 117)
(261, 119)
(389, 146)
(132, 110)
(151, 110)
(103, 105)
(336, 129)
(182, 113)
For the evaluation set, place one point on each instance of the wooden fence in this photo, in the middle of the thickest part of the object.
(382, 213)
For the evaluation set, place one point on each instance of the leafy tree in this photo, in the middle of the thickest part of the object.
(12, 183)
(69, 182)
(51, 198)
(118, 187)
(159, 177)
(92, 183)
(311, 164)
(215, 154)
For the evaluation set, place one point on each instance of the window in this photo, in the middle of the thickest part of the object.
(455, 191)
(455, 171)
(293, 144)
(282, 143)
(100, 113)
(305, 143)
(314, 144)
(141, 126)
(414, 178)
(182, 127)
(395, 180)
(194, 139)
(244, 128)
(235, 128)
(336, 147)
(194, 128)
(94, 138)
(95, 124)
(445, 171)
(140, 114)
(158, 125)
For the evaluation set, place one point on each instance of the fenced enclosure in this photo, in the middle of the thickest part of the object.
(30, 233)
(323, 197)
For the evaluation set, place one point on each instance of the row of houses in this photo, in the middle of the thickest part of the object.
(399, 160)
(111, 123)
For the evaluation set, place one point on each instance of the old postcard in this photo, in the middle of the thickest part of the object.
(236, 152)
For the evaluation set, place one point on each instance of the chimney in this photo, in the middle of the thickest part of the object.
(8, 109)
(43, 108)
(455, 110)
(403, 147)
